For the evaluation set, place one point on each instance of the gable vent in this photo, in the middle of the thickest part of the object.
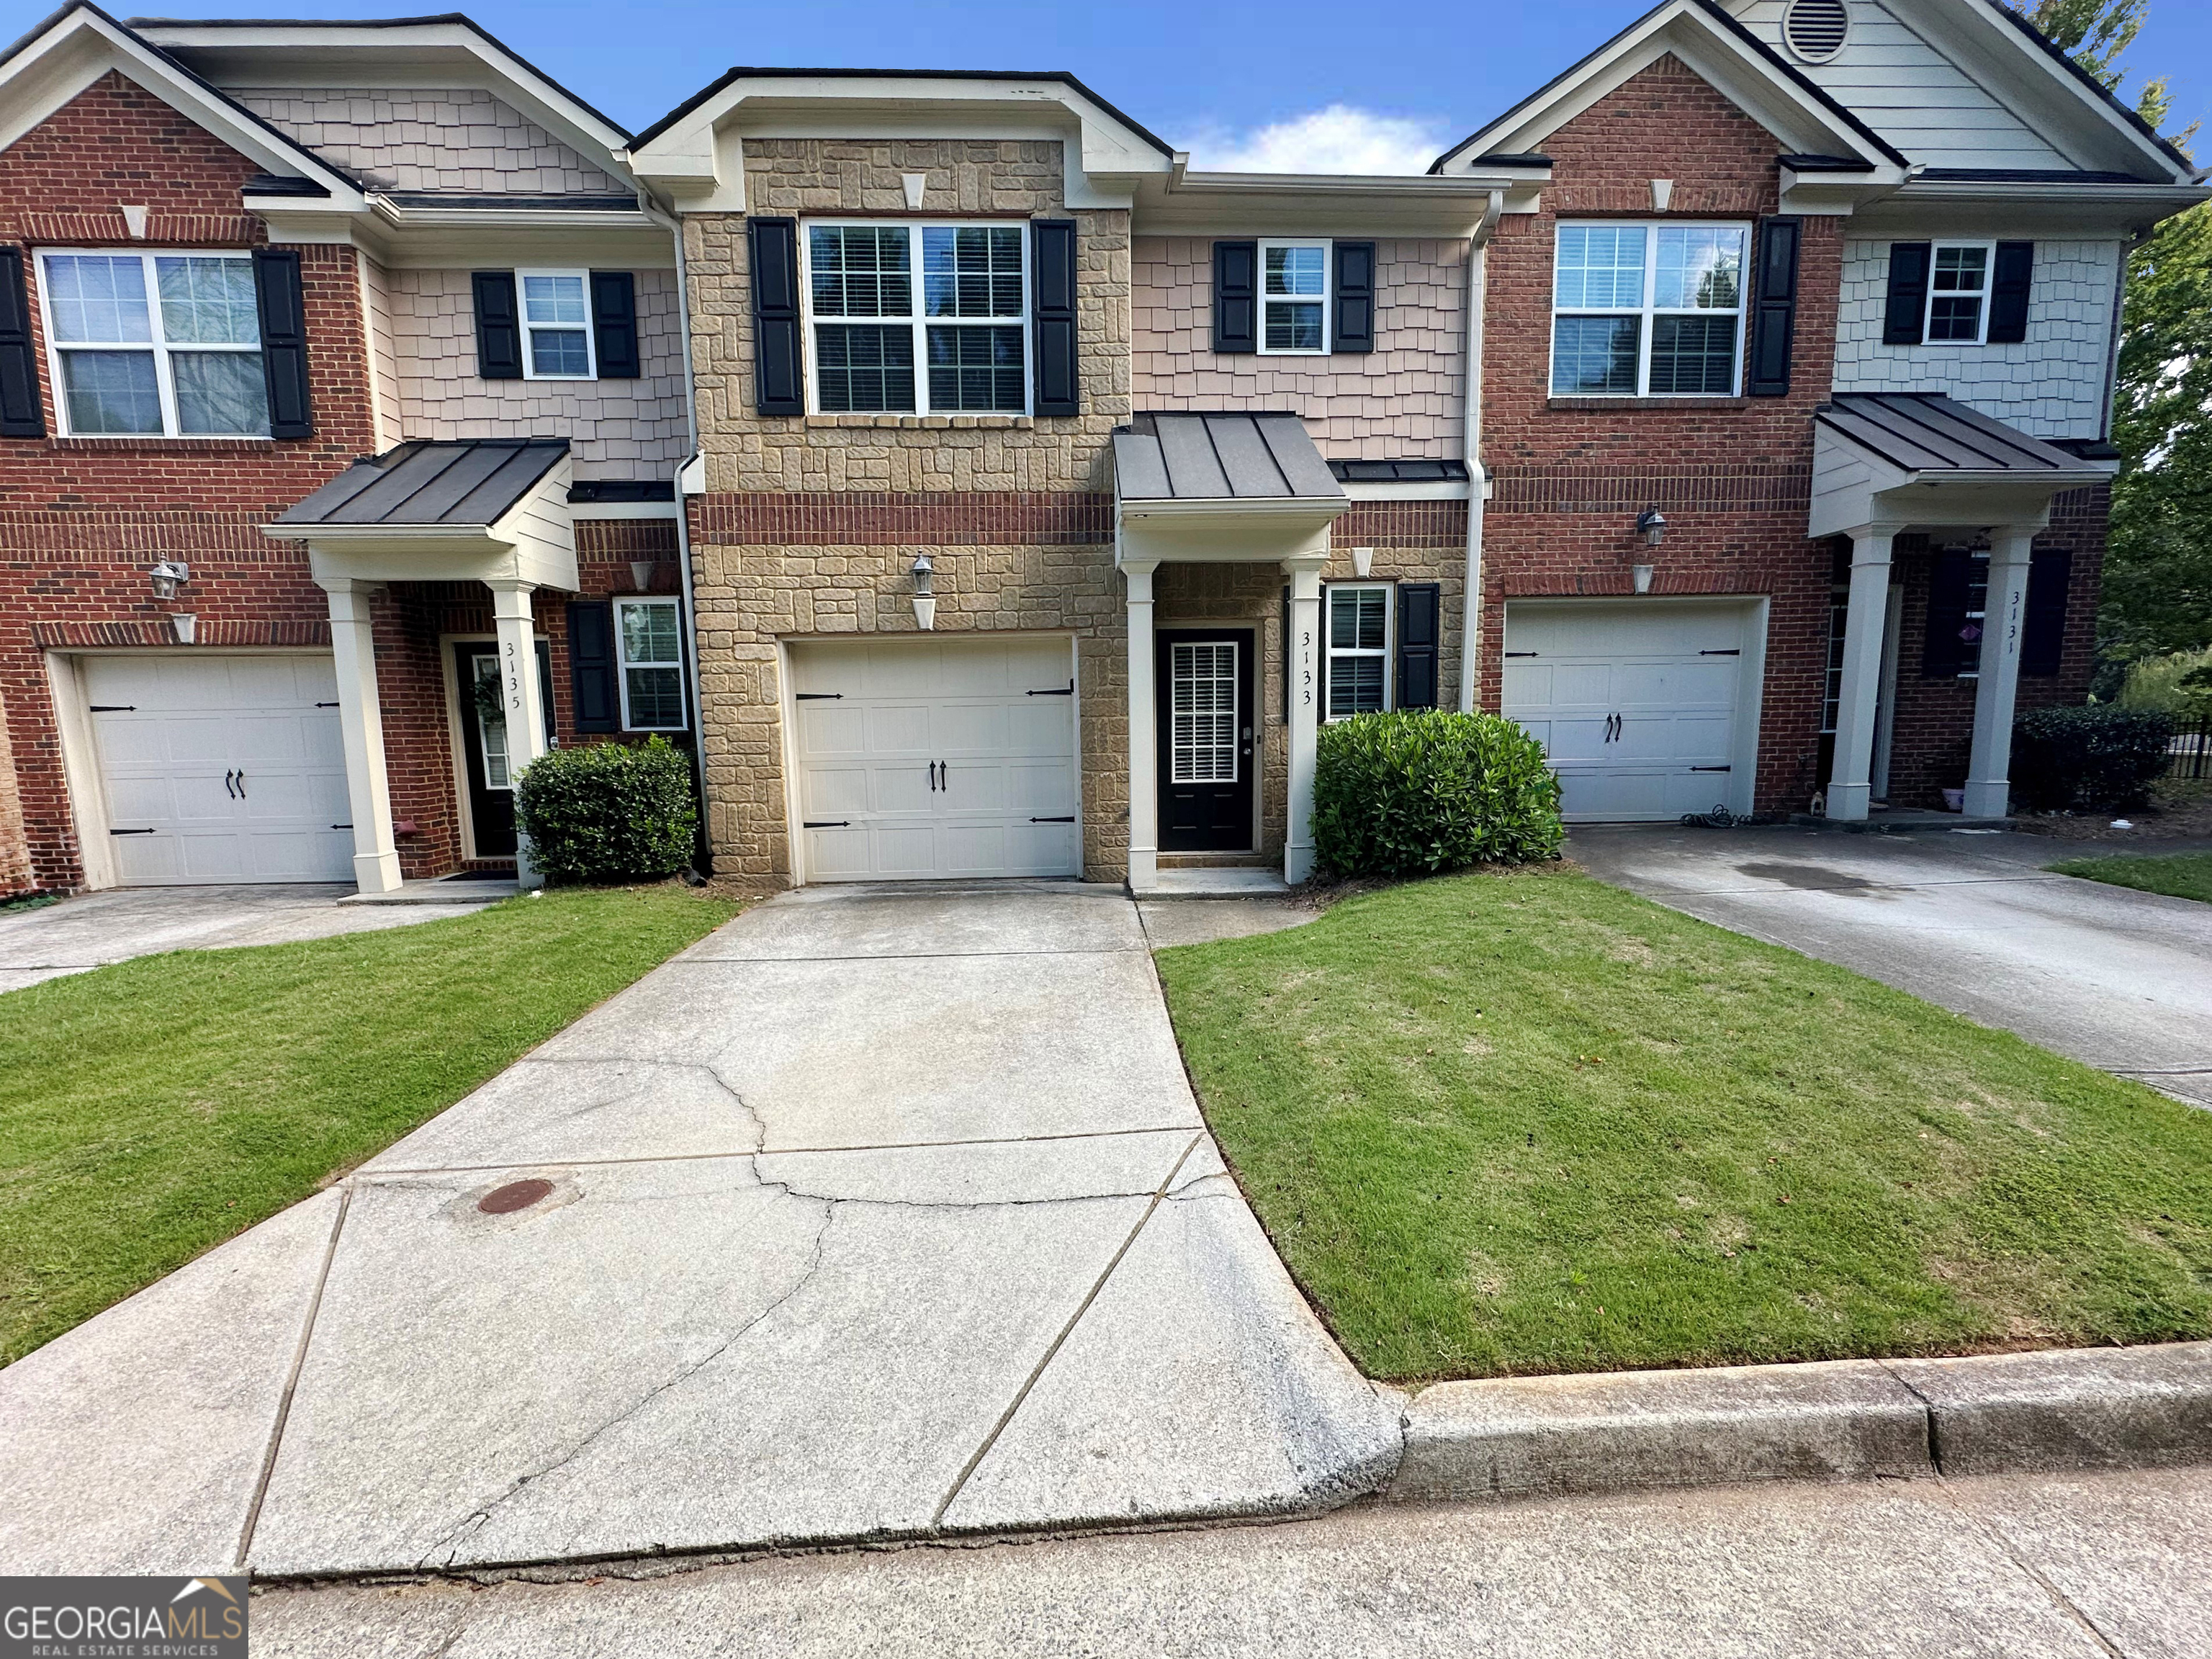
(1816, 29)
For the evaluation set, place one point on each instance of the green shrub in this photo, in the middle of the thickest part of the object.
(1412, 793)
(2179, 684)
(609, 812)
(2099, 757)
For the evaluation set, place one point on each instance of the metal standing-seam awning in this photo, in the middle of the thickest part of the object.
(1220, 488)
(1923, 457)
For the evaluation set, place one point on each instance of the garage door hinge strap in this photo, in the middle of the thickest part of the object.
(1712, 769)
(1522, 653)
(1067, 691)
(830, 824)
(819, 697)
(130, 832)
(1720, 654)
(1052, 820)
(326, 705)
(114, 708)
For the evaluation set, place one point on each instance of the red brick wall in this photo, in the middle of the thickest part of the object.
(81, 519)
(1732, 475)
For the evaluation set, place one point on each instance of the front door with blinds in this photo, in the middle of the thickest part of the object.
(1206, 749)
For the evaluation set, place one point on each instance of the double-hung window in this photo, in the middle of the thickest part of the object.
(918, 319)
(1648, 310)
(649, 645)
(1958, 293)
(1294, 298)
(155, 344)
(556, 326)
(1359, 649)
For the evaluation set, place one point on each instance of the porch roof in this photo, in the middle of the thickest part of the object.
(1900, 458)
(1929, 432)
(447, 484)
(1221, 458)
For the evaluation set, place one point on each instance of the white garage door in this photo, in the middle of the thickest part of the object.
(221, 769)
(1648, 710)
(936, 758)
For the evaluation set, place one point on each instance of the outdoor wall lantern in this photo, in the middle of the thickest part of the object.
(1652, 525)
(168, 576)
(925, 593)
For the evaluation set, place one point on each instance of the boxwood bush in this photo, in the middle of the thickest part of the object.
(1414, 793)
(2100, 757)
(609, 812)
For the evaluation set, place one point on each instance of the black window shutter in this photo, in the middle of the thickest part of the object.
(1774, 309)
(499, 326)
(283, 340)
(2010, 279)
(1236, 296)
(1906, 320)
(1052, 299)
(1944, 653)
(1420, 630)
(20, 414)
(592, 667)
(779, 374)
(613, 324)
(1355, 297)
(2043, 638)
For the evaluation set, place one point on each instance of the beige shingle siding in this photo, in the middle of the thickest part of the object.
(1404, 398)
(384, 363)
(2052, 386)
(459, 138)
(619, 428)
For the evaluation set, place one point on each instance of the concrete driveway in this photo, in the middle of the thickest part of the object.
(94, 929)
(879, 1213)
(2117, 979)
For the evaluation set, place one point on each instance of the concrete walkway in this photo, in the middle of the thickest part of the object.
(880, 1214)
(2080, 1567)
(94, 929)
(2115, 978)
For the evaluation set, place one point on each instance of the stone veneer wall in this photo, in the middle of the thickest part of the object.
(1407, 397)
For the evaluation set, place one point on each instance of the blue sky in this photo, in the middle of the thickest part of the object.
(1287, 83)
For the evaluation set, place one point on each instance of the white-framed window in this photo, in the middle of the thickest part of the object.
(1958, 293)
(917, 319)
(155, 345)
(1294, 299)
(1360, 625)
(557, 324)
(1648, 310)
(649, 652)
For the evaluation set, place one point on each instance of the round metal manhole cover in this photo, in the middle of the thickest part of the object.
(515, 1196)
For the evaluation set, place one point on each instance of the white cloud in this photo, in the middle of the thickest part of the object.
(1338, 139)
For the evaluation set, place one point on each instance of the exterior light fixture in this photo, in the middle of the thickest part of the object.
(925, 593)
(1652, 525)
(168, 576)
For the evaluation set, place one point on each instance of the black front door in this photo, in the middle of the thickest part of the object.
(1206, 721)
(483, 740)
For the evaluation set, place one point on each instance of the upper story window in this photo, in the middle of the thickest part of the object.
(155, 344)
(1959, 292)
(918, 318)
(649, 642)
(1648, 310)
(1359, 649)
(1294, 298)
(557, 324)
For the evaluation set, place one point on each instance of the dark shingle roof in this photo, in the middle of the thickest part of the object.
(1177, 457)
(470, 481)
(1927, 432)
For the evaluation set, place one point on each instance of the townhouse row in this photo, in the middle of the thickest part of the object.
(978, 489)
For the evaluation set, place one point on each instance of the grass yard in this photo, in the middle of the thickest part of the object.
(1526, 1122)
(150, 1110)
(2178, 875)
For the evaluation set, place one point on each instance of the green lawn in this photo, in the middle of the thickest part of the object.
(2179, 875)
(1526, 1122)
(150, 1110)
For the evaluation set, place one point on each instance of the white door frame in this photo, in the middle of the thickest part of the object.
(787, 716)
(80, 752)
(1751, 668)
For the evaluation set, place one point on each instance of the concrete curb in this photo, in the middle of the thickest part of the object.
(1854, 1420)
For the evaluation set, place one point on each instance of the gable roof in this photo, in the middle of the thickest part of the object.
(443, 482)
(2090, 87)
(1742, 68)
(72, 48)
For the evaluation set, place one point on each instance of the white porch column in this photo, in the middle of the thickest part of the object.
(1850, 787)
(361, 728)
(1988, 771)
(526, 708)
(1302, 662)
(1144, 735)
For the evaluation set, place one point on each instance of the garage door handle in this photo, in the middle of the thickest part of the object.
(1712, 769)
(1052, 820)
(130, 832)
(241, 783)
(828, 823)
(228, 788)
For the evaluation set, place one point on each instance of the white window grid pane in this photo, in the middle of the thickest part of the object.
(207, 301)
(1359, 651)
(1674, 296)
(1298, 272)
(1599, 268)
(1293, 297)
(1202, 714)
(1699, 268)
(97, 299)
(193, 322)
(959, 346)
(648, 643)
(649, 632)
(554, 300)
